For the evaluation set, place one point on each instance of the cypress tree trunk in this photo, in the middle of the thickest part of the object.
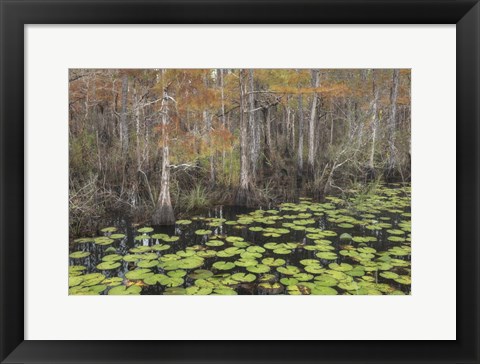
(245, 190)
(374, 122)
(123, 116)
(311, 127)
(300, 137)
(163, 214)
(392, 160)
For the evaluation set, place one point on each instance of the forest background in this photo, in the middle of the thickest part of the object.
(157, 144)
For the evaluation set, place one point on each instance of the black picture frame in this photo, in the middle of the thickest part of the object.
(15, 14)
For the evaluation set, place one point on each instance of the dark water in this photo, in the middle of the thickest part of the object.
(390, 206)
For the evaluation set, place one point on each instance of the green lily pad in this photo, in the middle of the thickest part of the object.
(326, 255)
(84, 240)
(323, 290)
(108, 265)
(288, 281)
(147, 264)
(138, 274)
(203, 232)
(288, 270)
(396, 239)
(79, 255)
(190, 263)
(113, 282)
(246, 262)
(74, 281)
(103, 240)
(171, 239)
(160, 247)
(389, 275)
(221, 265)
(123, 290)
(343, 267)
(183, 222)
(112, 258)
(214, 243)
(243, 277)
(272, 262)
(325, 280)
(396, 232)
(92, 279)
(201, 291)
(175, 291)
(206, 253)
(232, 239)
(177, 273)
(303, 277)
(255, 249)
(406, 280)
(200, 274)
(224, 291)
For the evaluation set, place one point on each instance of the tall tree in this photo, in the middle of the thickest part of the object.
(300, 136)
(123, 115)
(374, 124)
(253, 126)
(244, 193)
(393, 122)
(311, 124)
(163, 213)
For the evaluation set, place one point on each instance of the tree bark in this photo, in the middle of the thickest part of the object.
(311, 126)
(163, 214)
(254, 131)
(374, 122)
(392, 161)
(222, 92)
(123, 116)
(244, 192)
(208, 124)
(136, 106)
(300, 136)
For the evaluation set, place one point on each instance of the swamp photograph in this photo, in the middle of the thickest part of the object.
(239, 182)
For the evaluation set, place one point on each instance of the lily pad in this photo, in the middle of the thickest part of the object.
(323, 290)
(272, 262)
(79, 254)
(123, 290)
(183, 222)
(203, 232)
(259, 268)
(288, 270)
(108, 265)
(138, 274)
(326, 255)
(243, 277)
(221, 265)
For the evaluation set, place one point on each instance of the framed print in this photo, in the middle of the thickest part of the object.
(239, 181)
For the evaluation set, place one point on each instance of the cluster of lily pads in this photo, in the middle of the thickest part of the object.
(356, 245)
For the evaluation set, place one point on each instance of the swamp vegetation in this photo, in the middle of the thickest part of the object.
(357, 245)
(228, 181)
